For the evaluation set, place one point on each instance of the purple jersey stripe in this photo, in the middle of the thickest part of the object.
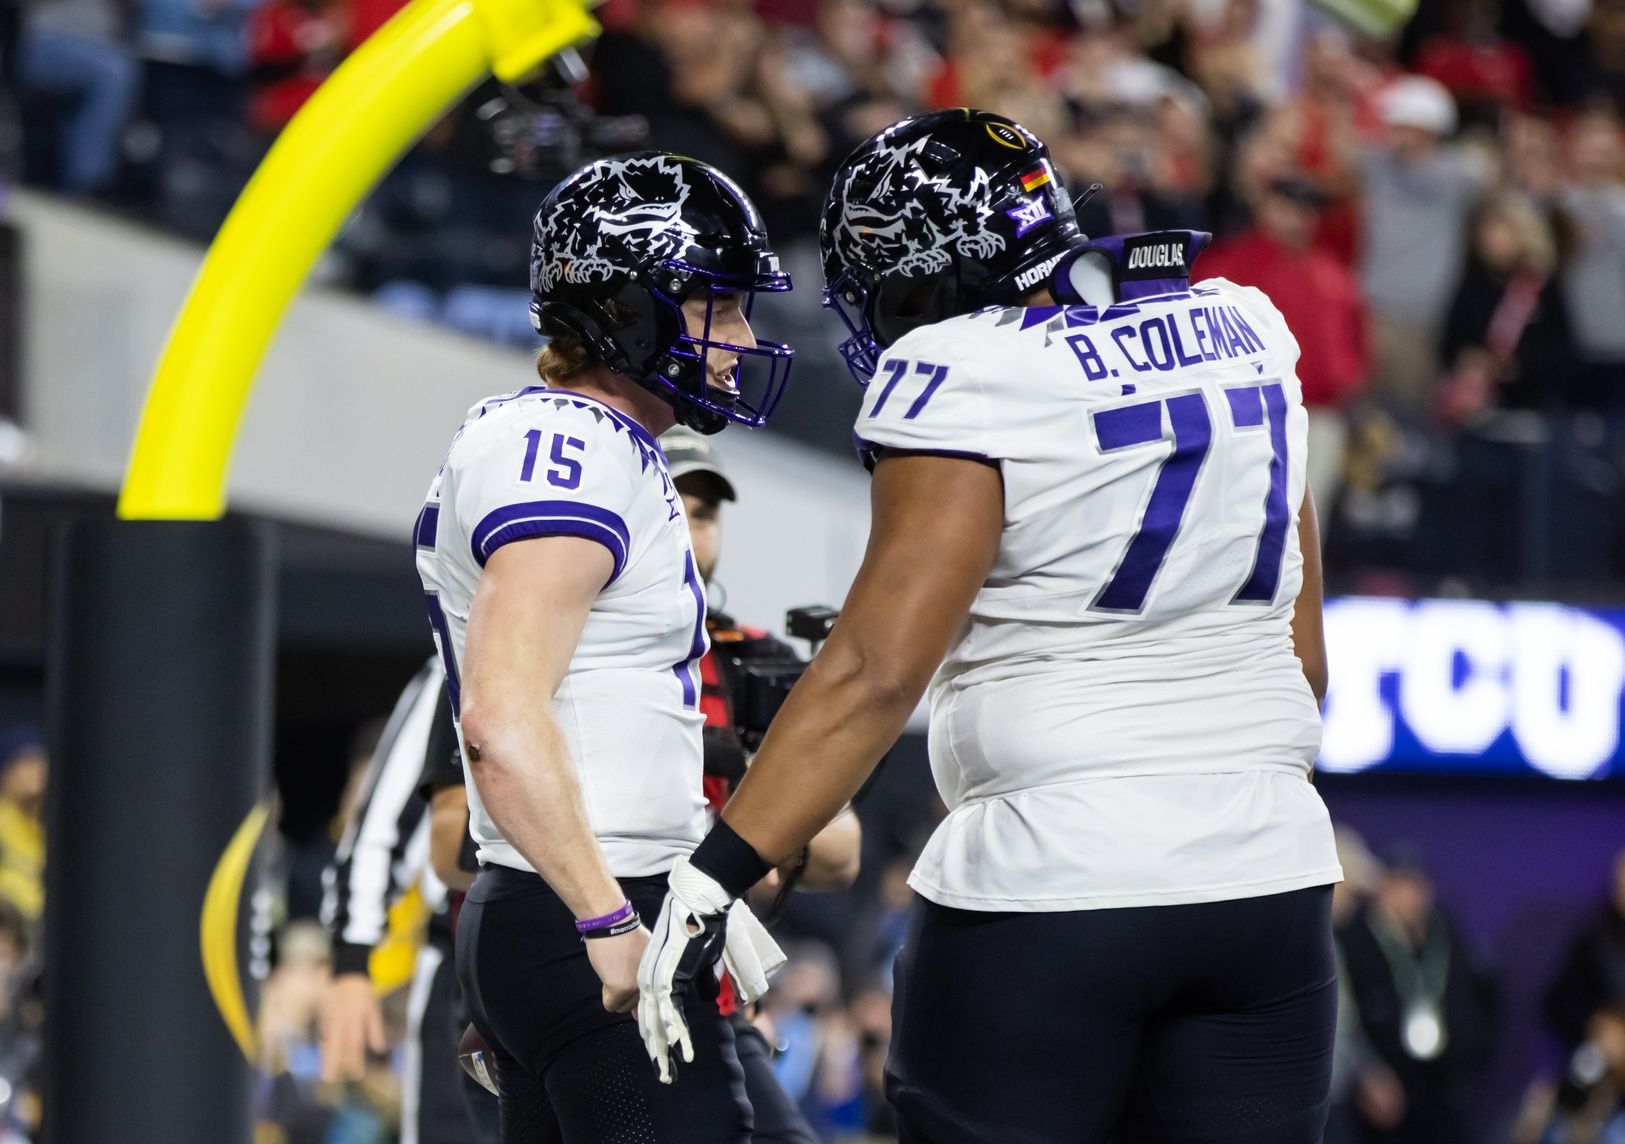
(1152, 288)
(551, 518)
(869, 452)
(586, 529)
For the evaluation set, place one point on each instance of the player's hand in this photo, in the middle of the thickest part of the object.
(1380, 1096)
(351, 1023)
(687, 941)
(615, 960)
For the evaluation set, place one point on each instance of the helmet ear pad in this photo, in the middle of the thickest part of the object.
(648, 325)
(897, 304)
(628, 329)
(632, 331)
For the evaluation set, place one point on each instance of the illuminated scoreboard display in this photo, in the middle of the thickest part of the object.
(1472, 687)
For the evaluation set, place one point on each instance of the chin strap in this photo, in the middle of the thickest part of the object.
(1127, 267)
(703, 421)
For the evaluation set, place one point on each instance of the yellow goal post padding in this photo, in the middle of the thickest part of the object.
(352, 130)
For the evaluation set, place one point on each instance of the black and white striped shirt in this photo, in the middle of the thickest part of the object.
(386, 846)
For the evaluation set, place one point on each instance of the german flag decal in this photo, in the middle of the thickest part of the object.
(1035, 178)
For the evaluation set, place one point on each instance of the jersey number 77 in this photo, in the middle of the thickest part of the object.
(1255, 408)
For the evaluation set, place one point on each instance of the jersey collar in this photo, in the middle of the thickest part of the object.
(639, 433)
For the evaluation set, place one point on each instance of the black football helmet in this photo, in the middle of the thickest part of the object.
(620, 245)
(939, 215)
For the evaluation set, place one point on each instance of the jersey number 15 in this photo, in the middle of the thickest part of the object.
(1258, 408)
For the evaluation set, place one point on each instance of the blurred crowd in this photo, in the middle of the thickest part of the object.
(1439, 212)
(1423, 1005)
(1439, 208)
(1420, 1019)
(1421, 1012)
(23, 772)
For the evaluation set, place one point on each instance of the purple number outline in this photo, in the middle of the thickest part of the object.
(939, 374)
(1250, 407)
(1259, 407)
(683, 669)
(570, 466)
(1133, 426)
(897, 368)
(533, 442)
(448, 660)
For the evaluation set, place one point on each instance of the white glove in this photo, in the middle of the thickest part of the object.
(686, 941)
(749, 953)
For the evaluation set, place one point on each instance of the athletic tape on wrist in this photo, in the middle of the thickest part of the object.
(729, 859)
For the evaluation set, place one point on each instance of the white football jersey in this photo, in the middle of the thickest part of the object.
(1121, 721)
(546, 462)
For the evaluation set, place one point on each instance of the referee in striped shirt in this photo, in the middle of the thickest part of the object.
(384, 850)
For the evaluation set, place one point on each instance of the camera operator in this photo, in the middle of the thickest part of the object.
(1587, 1106)
(744, 677)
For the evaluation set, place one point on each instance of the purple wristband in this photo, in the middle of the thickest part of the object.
(585, 926)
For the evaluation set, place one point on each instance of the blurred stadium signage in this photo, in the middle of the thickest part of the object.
(1473, 687)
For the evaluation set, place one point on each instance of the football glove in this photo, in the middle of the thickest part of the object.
(750, 955)
(698, 923)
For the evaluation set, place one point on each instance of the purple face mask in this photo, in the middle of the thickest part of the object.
(761, 372)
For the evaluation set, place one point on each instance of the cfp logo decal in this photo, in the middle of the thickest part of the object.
(638, 202)
(1007, 136)
(895, 215)
(1029, 214)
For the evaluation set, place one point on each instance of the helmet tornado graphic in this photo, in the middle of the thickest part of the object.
(622, 244)
(938, 215)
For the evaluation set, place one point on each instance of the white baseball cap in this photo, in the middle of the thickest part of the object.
(688, 452)
(1420, 102)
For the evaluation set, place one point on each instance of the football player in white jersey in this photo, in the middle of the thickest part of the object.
(1090, 537)
(572, 657)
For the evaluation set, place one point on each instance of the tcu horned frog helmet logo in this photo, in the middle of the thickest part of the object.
(620, 207)
(894, 214)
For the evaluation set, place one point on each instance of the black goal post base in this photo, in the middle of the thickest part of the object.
(159, 678)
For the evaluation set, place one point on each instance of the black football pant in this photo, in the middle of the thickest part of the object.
(1194, 1024)
(568, 1071)
(440, 1103)
(778, 1120)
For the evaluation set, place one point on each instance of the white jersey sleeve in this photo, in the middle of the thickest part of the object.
(929, 394)
(516, 478)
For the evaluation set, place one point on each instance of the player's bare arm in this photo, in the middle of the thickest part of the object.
(832, 859)
(448, 827)
(527, 616)
(895, 627)
(834, 854)
(1308, 633)
(841, 717)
